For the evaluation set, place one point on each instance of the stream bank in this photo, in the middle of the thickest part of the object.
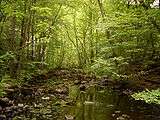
(70, 95)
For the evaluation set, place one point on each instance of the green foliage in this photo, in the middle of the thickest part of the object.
(110, 67)
(2, 93)
(148, 96)
(133, 39)
(31, 69)
(108, 36)
(5, 61)
(5, 82)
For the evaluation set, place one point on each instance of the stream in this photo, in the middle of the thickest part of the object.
(94, 103)
(105, 104)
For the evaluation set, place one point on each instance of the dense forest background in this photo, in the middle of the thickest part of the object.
(117, 38)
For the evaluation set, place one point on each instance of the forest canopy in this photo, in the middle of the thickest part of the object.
(101, 36)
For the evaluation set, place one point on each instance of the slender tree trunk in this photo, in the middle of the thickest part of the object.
(12, 45)
(84, 47)
(20, 54)
(13, 34)
(2, 20)
(103, 18)
(91, 37)
(76, 43)
(33, 39)
(29, 31)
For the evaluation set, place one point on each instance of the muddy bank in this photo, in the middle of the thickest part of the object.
(45, 96)
(65, 101)
(33, 101)
(79, 77)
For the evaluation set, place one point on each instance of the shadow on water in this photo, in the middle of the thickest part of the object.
(105, 104)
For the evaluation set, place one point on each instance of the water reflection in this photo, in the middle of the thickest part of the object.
(104, 104)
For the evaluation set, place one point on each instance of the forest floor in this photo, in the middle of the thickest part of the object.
(53, 86)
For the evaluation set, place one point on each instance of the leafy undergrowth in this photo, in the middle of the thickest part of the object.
(40, 101)
(149, 96)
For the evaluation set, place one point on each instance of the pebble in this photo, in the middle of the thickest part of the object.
(82, 87)
(45, 98)
(69, 117)
(125, 116)
(110, 105)
(20, 105)
(8, 109)
(5, 100)
(89, 103)
(1, 108)
(117, 112)
(120, 118)
(84, 82)
(2, 117)
(76, 82)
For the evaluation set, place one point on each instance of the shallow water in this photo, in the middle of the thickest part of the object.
(95, 103)
(105, 104)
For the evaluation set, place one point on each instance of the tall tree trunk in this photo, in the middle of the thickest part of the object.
(20, 54)
(107, 33)
(28, 31)
(33, 39)
(91, 35)
(12, 46)
(12, 34)
(2, 19)
(77, 42)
